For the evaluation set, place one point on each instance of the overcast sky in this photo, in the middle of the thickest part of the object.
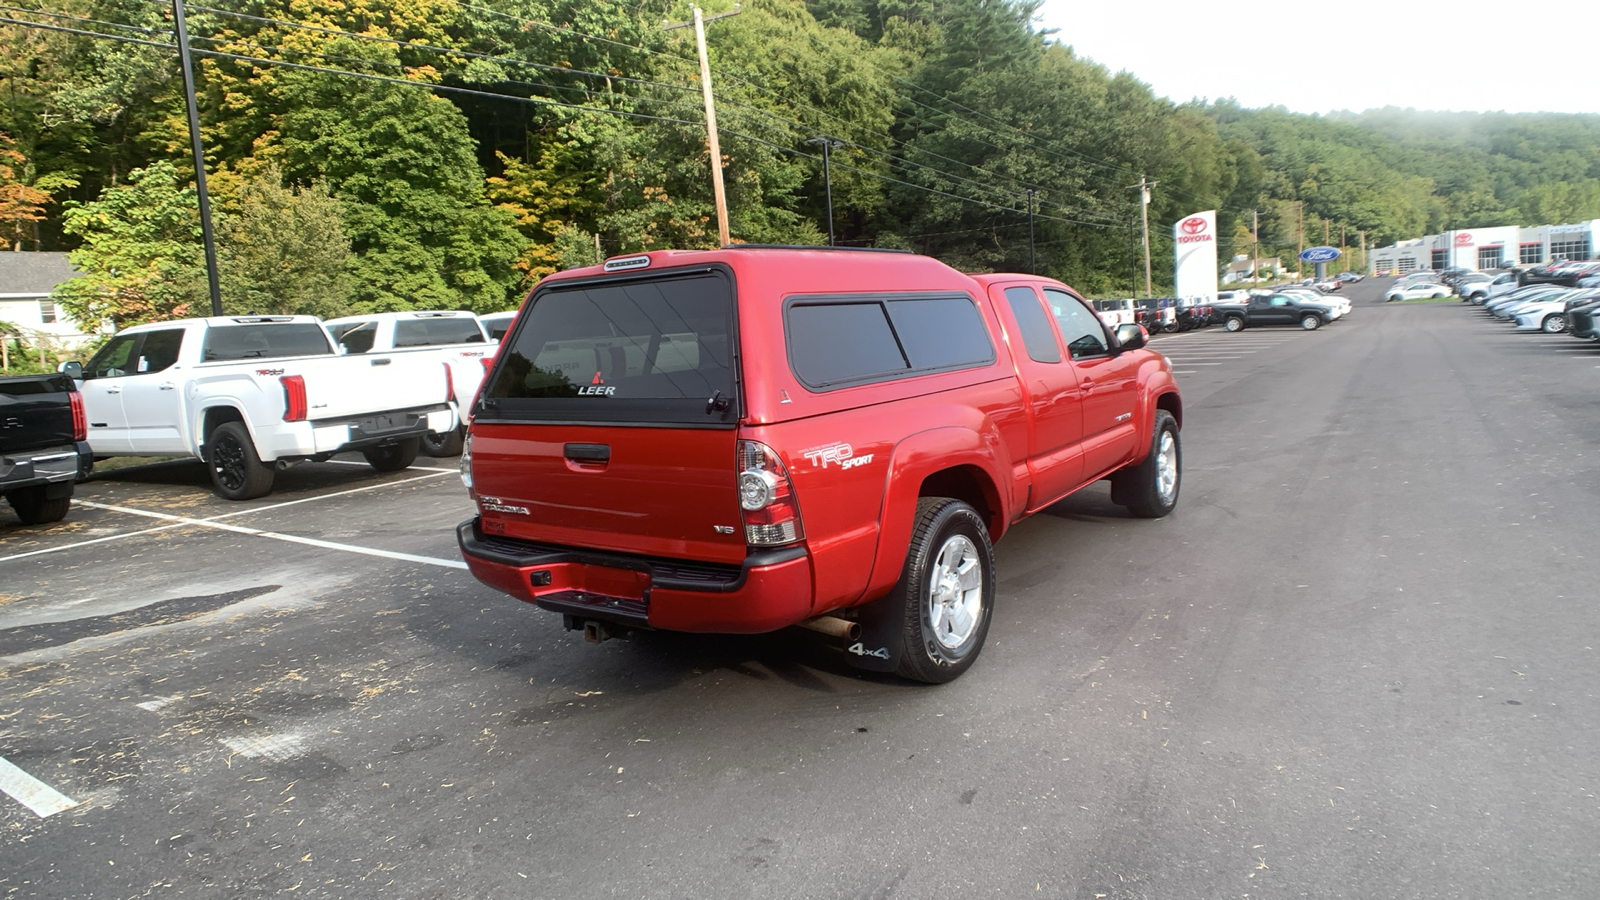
(1355, 54)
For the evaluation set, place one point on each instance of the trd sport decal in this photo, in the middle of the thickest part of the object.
(840, 455)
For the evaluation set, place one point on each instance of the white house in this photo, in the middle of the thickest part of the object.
(26, 280)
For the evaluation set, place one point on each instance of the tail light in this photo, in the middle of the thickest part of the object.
(766, 498)
(80, 419)
(466, 461)
(449, 384)
(294, 398)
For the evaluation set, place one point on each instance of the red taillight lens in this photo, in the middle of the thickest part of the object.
(80, 419)
(294, 398)
(449, 384)
(766, 498)
(488, 363)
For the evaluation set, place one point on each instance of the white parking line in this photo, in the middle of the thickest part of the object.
(182, 522)
(291, 538)
(351, 462)
(43, 799)
(1191, 371)
(1201, 356)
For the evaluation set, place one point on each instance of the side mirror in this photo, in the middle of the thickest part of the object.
(1130, 337)
(73, 370)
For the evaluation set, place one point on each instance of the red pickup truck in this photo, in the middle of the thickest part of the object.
(746, 439)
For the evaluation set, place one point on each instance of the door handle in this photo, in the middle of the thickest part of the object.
(168, 386)
(590, 453)
(380, 362)
(113, 390)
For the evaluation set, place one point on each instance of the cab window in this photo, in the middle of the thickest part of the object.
(1081, 330)
(114, 360)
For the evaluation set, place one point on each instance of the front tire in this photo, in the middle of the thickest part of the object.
(436, 445)
(1149, 490)
(1234, 323)
(393, 457)
(947, 588)
(1311, 321)
(237, 472)
(34, 508)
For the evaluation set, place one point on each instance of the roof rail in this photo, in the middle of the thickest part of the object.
(812, 247)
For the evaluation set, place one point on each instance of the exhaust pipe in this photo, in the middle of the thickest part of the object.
(833, 626)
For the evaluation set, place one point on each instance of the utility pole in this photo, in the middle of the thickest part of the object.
(712, 141)
(1363, 252)
(1144, 216)
(1032, 268)
(1300, 229)
(1255, 245)
(206, 234)
(827, 143)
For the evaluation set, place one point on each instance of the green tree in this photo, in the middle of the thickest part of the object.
(285, 251)
(141, 254)
(402, 162)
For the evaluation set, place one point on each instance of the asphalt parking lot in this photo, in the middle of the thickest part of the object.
(1358, 660)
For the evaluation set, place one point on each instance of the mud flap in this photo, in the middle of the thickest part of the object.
(883, 624)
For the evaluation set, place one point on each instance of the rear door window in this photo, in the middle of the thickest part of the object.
(1037, 335)
(648, 350)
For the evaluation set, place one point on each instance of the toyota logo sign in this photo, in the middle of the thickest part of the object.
(1193, 225)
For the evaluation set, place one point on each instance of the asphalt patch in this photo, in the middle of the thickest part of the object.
(44, 635)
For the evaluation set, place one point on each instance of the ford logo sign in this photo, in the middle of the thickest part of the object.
(1319, 254)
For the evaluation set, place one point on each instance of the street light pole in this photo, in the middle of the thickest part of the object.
(1033, 269)
(828, 144)
(206, 234)
(712, 141)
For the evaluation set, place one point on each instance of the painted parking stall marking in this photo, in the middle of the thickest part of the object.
(41, 798)
(278, 536)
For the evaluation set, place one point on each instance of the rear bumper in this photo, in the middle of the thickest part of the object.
(52, 465)
(295, 440)
(769, 591)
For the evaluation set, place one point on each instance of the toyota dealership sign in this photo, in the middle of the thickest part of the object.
(1195, 259)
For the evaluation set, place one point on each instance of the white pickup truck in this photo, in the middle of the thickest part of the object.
(455, 339)
(251, 394)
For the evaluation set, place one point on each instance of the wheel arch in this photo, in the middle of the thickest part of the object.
(214, 417)
(942, 462)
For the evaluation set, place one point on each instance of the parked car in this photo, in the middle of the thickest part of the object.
(1479, 291)
(1117, 312)
(453, 339)
(1421, 290)
(1158, 314)
(497, 324)
(1547, 315)
(822, 437)
(1274, 309)
(1339, 305)
(251, 394)
(1350, 277)
(1583, 320)
(42, 434)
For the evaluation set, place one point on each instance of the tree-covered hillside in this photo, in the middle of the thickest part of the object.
(379, 155)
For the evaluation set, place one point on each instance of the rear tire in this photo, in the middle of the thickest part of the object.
(436, 445)
(34, 508)
(1149, 490)
(237, 473)
(393, 457)
(1555, 323)
(1234, 323)
(947, 588)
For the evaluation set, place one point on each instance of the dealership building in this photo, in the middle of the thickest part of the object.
(1489, 248)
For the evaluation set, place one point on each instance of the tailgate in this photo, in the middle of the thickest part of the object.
(35, 412)
(652, 492)
(609, 419)
(343, 387)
